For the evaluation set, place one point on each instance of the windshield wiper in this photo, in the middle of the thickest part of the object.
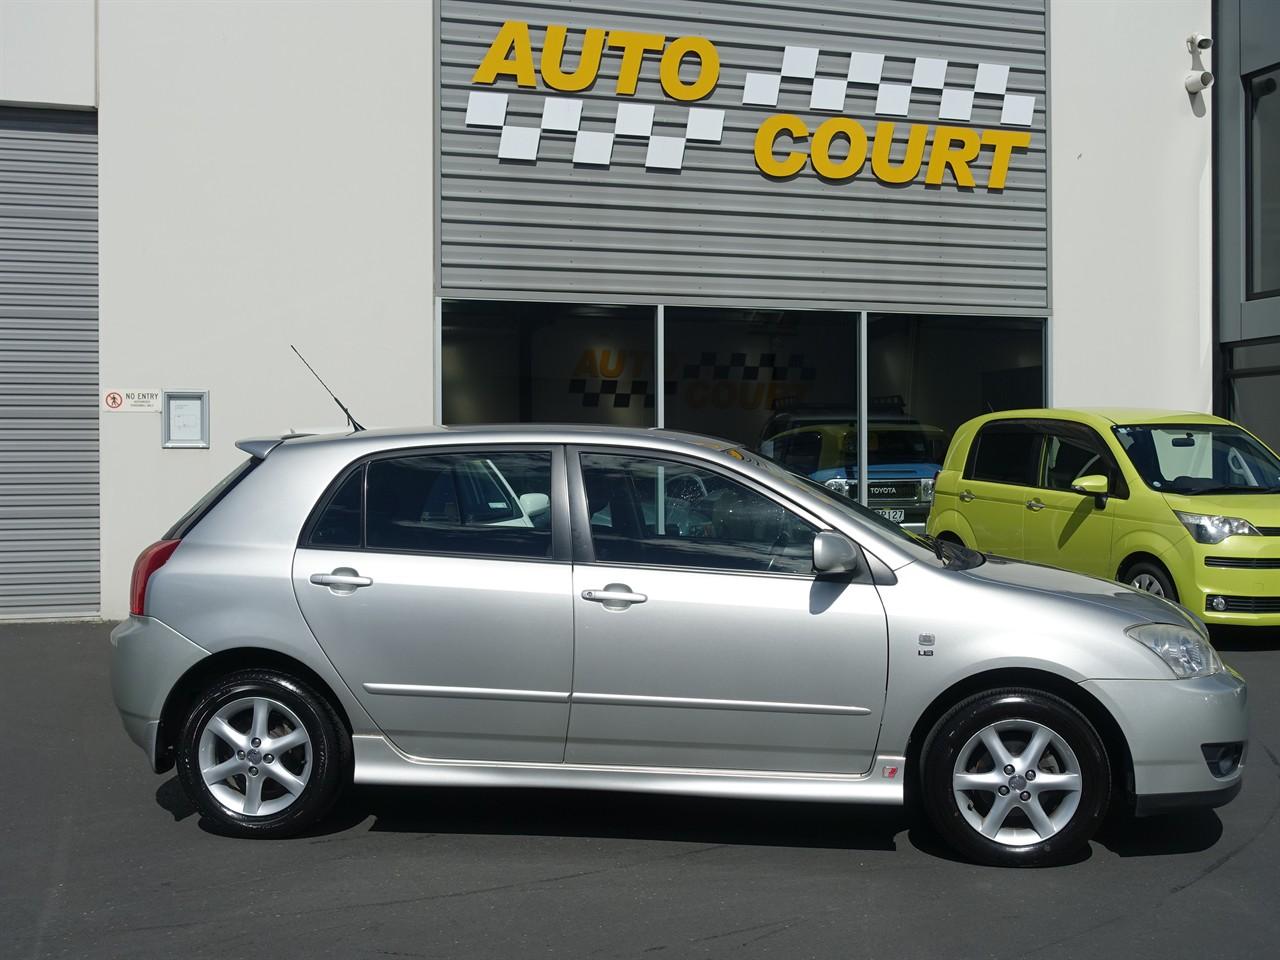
(1224, 488)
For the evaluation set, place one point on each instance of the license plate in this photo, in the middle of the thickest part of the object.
(897, 516)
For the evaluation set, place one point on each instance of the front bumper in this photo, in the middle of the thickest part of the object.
(147, 659)
(1238, 570)
(1166, 722)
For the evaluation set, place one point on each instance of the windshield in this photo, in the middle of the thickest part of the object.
(951, 554)
(1200, 458)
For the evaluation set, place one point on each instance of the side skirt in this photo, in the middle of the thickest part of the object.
(377, 761)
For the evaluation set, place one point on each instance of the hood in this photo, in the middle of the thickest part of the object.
(1133, 604)
(1260, 509)
(880, 471)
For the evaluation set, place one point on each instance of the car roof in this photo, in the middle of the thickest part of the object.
(1108, 415)
(518, 433)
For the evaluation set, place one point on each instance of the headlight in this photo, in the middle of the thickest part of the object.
(839, 485)
(1210, 529)
(1187, 653)
(926, 490)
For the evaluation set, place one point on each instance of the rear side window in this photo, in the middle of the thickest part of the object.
(211, 500)
(1006, 453)
(339, 522)
(485, 504)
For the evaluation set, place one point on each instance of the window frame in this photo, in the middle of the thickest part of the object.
(584, 548)
(560, 527)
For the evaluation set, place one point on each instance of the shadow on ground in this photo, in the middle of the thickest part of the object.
(605, 815)
(1245, 639)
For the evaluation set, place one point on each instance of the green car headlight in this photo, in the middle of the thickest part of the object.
(1207, 528)
(1185, 651)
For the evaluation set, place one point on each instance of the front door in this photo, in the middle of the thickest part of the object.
(998, 482)
(703, 638)
(442, 598)
(1063, 528)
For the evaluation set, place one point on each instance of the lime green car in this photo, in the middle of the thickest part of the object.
(1182, 505)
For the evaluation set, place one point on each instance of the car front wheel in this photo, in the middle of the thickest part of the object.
(262, 755)
(1015, 777)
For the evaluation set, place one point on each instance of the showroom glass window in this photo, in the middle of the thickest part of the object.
(1263, 190)
(1255, 383)
(781, 381)
(527, 362)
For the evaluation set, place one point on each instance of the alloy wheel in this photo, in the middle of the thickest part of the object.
(255, 756)
(1147, 583)
(1017, 782)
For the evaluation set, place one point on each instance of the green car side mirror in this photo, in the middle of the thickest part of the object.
(1094, 485)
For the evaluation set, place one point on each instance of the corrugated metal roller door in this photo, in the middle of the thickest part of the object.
(48, 363)
(717, 229)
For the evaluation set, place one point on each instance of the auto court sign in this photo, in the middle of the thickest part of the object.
(831, 145)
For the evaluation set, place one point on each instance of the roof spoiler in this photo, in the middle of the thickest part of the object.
(259, 447)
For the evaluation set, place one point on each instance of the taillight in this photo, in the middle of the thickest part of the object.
(149, 561)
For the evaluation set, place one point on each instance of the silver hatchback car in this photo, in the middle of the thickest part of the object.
(651, 611)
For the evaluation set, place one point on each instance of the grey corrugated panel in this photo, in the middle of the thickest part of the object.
(49, 510)
(551, 229)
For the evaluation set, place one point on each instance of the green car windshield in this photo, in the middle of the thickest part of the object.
(1200, 458)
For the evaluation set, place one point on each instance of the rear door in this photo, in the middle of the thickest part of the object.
(703, 637)
(999, 481)
(1063, 528)
(438, 582)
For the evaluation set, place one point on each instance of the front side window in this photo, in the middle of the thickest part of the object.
(1200, 458)
(663, 513)
(1006, 453)
(476, 503)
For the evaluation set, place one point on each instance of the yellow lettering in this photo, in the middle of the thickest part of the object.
(611, 371)
(512, 39)
(946, 154)
(820, 150)
(587, 365)
(1004, 141)
(633, 46)
(766, 138)
(553, 74)
(708, 68)
(909, 168)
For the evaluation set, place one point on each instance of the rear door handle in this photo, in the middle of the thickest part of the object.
(1035, 505)
(966, 496)
(615, 596)
(343, 580)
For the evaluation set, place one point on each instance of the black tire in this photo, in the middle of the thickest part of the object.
(1157, 573)
(953, 735)
(327, 766)
(948, 537)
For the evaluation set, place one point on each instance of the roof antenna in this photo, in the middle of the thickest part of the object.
(355, 424)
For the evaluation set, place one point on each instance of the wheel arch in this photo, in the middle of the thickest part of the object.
(1114, 742)
(204, 672)
(1135, 557)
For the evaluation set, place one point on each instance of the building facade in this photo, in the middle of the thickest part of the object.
(700, 215)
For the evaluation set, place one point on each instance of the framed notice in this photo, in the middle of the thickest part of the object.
(185, 419)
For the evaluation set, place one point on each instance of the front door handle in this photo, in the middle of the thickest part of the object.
(966, 496)
(343, 581)
(1036, 505)
(615, 596)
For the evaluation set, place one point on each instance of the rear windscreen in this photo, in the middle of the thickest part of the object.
(210, 500)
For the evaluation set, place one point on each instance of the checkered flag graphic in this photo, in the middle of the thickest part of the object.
(828, 94)
(592, 147)
(596, 392)
(767, 367)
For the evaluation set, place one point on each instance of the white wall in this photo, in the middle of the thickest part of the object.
(1130, 206)
(266, 178)
(47, 52)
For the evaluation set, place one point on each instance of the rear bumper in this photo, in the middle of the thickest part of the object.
(1166, 723)
(147, 659)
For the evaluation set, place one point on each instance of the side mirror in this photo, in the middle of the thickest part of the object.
(1094, 485)
(534, 504)
(835, 553)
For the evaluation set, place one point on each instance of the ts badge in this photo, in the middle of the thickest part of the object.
(926, 645)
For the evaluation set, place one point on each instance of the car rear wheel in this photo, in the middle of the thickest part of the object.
(1152, 579)
(262, 755)
(1015, 777)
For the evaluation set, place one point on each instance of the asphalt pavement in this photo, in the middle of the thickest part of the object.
(101, 858)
